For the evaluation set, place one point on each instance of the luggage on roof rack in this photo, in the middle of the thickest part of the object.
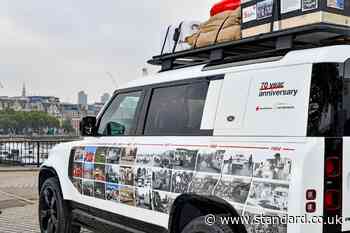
(260, 46)
(264, 16)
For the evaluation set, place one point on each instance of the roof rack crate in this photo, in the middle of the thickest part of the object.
(263, 16)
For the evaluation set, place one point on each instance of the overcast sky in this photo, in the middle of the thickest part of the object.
(61, 47)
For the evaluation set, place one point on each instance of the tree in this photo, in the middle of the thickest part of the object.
(18, 122)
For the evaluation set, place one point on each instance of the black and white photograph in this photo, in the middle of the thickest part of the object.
(78, 154)
(210, 160)
(273, 167)
(238, 163)
(272, 227)
(144, 156)
(113, 155)
(88, 188)
(128, 155)
(233, 189)
(99, 190)
(112, 192)
(204, 184)
(127, 195)
(143, 198)
(78, 183)
(126, 175)
(180, 181)
(162, 201)
(308, 5)
(164, 159)
(112, 173)
(143, 177)
(184, 159)
(161, 179)
(269, 196)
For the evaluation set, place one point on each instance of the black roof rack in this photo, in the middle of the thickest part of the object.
(264, 45)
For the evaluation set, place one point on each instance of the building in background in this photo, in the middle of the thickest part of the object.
(105, 97)
(82, 99)
(72, 113)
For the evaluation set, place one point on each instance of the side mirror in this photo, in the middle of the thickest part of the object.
(88, 126)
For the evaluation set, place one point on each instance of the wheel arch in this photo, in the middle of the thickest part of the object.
(190, 206)
(46, 173)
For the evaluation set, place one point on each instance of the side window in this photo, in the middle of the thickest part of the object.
(120, 117)
(176, 110)
(326, 97)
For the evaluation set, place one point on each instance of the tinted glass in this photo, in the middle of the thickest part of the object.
(327, 95)
(176, 110)
(119, 118)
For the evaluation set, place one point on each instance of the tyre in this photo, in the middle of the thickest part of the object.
(199, 225)
(54, 214)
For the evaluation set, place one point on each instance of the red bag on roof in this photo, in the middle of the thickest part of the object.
(224, 5)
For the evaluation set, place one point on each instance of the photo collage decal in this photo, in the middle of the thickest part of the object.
(151, 177)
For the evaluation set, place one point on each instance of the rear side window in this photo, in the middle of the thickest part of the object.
(176, 110)
(329, 98)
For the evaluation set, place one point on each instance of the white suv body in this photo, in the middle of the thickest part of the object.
(261, 121)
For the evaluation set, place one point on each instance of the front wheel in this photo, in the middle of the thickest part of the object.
(54, 214)
(200, 225)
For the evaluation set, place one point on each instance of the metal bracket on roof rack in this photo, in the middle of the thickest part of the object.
(167, 64)
(284, 42)
(217, 54)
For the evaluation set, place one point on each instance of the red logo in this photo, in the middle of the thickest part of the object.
(257, 108)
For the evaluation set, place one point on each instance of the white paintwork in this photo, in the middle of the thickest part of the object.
(211, 105)
(238, 97)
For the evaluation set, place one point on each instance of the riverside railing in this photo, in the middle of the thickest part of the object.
(26, 152)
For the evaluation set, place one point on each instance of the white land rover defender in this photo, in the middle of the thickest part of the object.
(257, 127)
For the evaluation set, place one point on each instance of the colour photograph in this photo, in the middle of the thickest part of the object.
(112, 174)
(88, 188)
(99, 190)
(99, 172)
(89, 155)
(112, 192)
(89, 171)
(77, 170)
(101, 153)
(78, 154)
(127, 195)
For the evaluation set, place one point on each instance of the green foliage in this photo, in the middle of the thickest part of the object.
(17, 122)
(67, 126)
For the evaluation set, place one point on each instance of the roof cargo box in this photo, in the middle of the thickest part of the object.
(264, 16)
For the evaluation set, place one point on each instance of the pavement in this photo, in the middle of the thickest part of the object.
(18, 201)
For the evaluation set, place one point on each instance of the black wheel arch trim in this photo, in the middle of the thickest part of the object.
(206, 205)
(43, 175)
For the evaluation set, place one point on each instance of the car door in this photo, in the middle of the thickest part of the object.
(100, 167)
